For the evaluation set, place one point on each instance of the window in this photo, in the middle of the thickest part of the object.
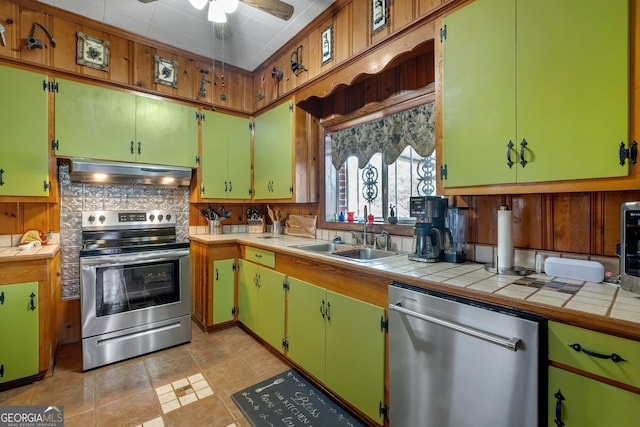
(379, 186)
(380, 164)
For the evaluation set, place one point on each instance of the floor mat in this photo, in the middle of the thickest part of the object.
(290, 400)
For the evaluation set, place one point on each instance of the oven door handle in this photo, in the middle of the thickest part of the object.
(100, 262)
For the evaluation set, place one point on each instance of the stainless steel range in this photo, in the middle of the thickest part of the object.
(134, 285)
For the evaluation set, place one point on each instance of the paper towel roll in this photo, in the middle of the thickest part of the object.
(505, 239)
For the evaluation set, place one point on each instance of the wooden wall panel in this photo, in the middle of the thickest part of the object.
(342, 34)
(39, 56)
(360, 26)
(9, 11)
(315, 53)
(143, 66)
(572, 225)
(403, 13)
(9, 218)
(120, 69)
(426, 6)
(528, 220)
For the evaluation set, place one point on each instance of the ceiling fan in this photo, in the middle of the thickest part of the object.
(276, 8)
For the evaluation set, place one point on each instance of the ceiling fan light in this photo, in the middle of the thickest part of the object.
(198, 4)
(216, 13)
(230, 6)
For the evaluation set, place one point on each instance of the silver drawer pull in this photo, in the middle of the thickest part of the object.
(509, 343)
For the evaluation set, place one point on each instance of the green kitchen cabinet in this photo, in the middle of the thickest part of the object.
(18, 331)
(100, 123)
(261, 302)
(24, 164)
(340, 341)
(531, 96)
(576, 400)
(273, 153)
(223, 290)
(226, 157)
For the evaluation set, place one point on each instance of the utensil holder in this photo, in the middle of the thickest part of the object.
(215, 227)
(275, 228)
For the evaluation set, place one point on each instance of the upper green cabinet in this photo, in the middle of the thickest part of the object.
(226, 157)
(99, 123)
(24, 165)
(18, 331)
(272, 153)
(529, 95)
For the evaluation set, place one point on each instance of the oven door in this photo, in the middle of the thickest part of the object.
(128, 290)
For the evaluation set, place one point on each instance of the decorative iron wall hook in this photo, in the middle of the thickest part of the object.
(296, 64)
(33, 42)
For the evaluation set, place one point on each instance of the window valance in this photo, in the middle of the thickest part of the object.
(389, 136)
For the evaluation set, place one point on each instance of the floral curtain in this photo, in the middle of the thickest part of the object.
(389, 136)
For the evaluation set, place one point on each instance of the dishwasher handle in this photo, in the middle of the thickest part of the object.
(509, 343)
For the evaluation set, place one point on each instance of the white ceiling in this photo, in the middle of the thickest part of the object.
(256, 34)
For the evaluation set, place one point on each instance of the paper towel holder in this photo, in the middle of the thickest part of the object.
(495, 266)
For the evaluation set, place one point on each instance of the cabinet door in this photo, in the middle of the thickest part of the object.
(167, 133)
(18, 331)
(214, 156)
(573, 88)
(94, 122)
(589, 403)
(226, 157)
(24, 161)
(248, 294)
(223, 285)
(271, 307)
(479, 93)
(239, 158)
(306, 326)
(355, 352)
(272, 148)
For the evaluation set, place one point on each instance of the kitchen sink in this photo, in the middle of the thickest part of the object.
(351, 252)
(324, 247)
(364, 254)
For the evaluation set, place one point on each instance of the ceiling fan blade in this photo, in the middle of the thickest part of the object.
(146, 1)
(276, 8)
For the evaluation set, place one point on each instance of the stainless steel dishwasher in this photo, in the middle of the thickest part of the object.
(454, 362)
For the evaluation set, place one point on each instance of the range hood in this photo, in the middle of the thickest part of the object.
(95, 171)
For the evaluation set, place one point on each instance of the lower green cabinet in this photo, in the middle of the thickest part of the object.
(579, 401)
(340, 341)
(261, 302)
(18, 331)
(223, 285)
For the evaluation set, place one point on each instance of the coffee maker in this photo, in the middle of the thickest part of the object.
(429, 212)
(630, 247)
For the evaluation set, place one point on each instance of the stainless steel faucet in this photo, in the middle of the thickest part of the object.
(364, 232)
(387, 241)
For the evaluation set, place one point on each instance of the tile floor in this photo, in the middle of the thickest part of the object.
(188, 385)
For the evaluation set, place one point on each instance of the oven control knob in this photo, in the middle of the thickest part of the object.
(152, 217)
(91, 218)
(168, 217)
(160, 217)
(101, 218)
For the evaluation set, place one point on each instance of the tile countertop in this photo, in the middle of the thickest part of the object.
(13, 254)
(601, 306)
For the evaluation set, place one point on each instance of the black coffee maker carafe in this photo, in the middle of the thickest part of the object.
(429, 212)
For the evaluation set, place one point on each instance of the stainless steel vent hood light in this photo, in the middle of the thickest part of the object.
(96, 172)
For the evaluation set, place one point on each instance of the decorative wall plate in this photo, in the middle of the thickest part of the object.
(379, 15)
(326, 44)
(93, 52)
(165, 71)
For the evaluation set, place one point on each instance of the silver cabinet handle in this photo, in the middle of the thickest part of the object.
(509, 343)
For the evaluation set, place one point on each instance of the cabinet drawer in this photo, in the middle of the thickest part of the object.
(595, 352)
(260, 256)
